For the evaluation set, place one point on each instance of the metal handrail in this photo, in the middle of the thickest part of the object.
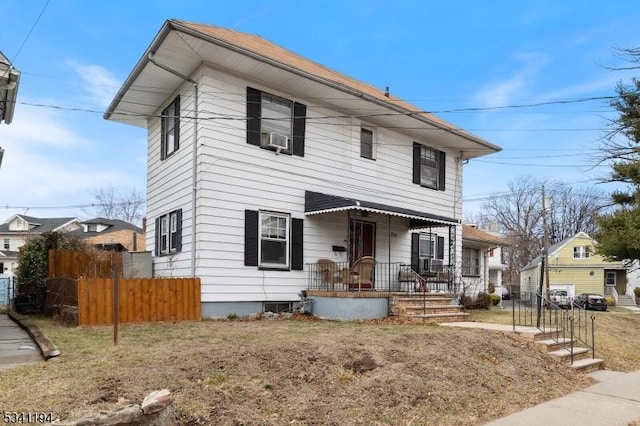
(561, 324)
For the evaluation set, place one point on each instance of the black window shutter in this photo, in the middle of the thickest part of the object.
(179, 230)
(442, 162)
(254, 111)
(415, 252)
(297, 258)
(176, 125)
(440, 248)
(299, 120)
(250, 238)
(416, 162)
(163, 136)
(157, 237)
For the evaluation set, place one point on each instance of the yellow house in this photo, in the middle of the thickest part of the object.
(574, 266)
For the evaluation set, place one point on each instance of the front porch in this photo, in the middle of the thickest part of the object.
(371, 290)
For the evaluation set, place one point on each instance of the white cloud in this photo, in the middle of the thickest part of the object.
(34, 126)
(100, 84)
(506, 90)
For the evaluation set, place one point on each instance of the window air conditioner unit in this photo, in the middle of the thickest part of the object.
(280, 142)
(431, 265)
(436, 265)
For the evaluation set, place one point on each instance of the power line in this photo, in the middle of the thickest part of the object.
(30, 31)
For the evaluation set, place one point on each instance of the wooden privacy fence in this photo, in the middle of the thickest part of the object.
(141, 300)
(87, 263)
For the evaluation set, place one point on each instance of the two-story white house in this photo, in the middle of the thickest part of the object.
(262, 162)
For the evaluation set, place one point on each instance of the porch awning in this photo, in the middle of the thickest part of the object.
(317, 203)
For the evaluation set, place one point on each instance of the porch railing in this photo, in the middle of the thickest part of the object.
(383, 277)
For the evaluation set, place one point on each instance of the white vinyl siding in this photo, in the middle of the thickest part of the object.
(234, 176)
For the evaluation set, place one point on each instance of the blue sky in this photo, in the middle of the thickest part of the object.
(468, 62)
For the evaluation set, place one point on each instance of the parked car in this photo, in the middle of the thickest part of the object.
(558, 298)
(505, 294)
(591, 301)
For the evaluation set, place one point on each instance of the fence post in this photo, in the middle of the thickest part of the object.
(593, 337)
(116, 305)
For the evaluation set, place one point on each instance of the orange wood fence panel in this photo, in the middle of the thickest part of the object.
(141, 300)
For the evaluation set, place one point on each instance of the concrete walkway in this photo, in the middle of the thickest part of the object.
(614, 401)
(16, 346)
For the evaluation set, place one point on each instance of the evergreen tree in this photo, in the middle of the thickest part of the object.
(619, 232)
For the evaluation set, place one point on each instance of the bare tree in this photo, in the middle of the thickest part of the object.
(113, 204)
(518, 215)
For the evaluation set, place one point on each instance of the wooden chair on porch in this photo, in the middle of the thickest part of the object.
(330, 273)
(360, 275)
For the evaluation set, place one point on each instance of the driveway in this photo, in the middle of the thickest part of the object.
(16, 346)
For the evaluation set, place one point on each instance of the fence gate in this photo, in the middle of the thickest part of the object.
(6, 290)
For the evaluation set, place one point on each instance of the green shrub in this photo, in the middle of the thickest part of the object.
(636, 291)
(483, 301)
(495, 299)
(491, 288)
(610, 300)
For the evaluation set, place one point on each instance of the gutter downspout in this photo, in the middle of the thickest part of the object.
(194, 181)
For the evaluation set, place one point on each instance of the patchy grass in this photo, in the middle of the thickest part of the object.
(296, 371)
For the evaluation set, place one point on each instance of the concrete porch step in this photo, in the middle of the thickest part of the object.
(431, 309)
(551, 345)
(587, 365)
(442, 318)
(626, 300)
(564, 354)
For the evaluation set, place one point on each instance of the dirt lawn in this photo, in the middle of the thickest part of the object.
(292, 371)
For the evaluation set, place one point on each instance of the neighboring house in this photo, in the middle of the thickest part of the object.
(9, 80)
(111, 234)
(16, 230)
(574, 267)
(104, 233)
(481, 260)
(262, 162)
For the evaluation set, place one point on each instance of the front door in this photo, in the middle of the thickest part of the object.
(362, 239)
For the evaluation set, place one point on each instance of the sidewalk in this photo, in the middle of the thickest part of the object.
(612, 402)
(16, 346)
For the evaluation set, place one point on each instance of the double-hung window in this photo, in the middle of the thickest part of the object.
(169, 233)
(582, 252)
(471, 262)
(276, 129)
(274, 239)
(275, 123)
(427, 252)
(170, 129)
(428, 167)
(366, 143)
(7, 245)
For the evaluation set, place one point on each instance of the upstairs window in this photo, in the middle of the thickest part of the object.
(7, 245)
(170, 129)
(582, 252)
(366, 143)
(428, 167)
(275, 123)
